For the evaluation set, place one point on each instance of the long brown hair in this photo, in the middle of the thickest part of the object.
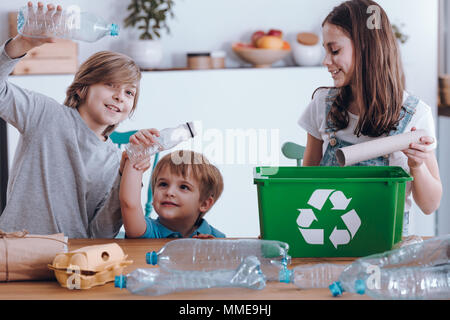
(103, 67)
(378, 73)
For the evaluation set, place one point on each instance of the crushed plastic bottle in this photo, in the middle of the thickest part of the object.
(63, 24)
(312, 276)
(211, 254)
(417, 271)
(411, 283)
(407, 241)
(168, 138)
(157, 281)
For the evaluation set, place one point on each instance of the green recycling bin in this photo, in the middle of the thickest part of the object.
(332, 211)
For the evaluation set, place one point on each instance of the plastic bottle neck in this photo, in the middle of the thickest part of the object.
(191, 129)
(113, 30)
(285, 275)
(152, 258)
(120, 281)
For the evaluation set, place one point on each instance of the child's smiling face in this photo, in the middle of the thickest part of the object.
(339, 57)
(107, 104)
(176, 199)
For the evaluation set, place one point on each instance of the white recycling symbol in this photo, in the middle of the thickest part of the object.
(340, 202)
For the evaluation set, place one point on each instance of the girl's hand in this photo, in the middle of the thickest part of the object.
(418, 153)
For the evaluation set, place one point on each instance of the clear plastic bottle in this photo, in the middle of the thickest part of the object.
(157, 281)
(64, 24)
(407, 241)
(211, 254)
(312, 276)
(406, 283)
(417, 271)
(430, 252)
(168, 138)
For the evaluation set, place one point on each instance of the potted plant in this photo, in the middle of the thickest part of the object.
(399, 35)
(149, 16)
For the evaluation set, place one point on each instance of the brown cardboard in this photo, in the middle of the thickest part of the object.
(25, 256)
(89, 266)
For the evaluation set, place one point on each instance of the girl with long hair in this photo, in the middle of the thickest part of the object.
(369, 101)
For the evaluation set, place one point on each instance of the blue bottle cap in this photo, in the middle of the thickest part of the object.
(151, 258)
(285, 275)
(360, 287)
(20, 21)
(114, 29)
(336, 289)
(120, 281)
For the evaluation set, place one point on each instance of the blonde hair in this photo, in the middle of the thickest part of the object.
(103, 67)
(207, 175)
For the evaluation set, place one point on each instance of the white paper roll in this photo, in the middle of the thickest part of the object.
(350, 155)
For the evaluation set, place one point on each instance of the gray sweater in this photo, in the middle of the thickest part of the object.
(63, 178)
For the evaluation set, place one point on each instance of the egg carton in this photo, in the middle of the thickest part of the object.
(89, 266)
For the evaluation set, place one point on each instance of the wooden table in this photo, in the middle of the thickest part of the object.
(136, 250)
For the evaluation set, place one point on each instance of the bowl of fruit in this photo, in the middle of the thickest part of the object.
(264, 50)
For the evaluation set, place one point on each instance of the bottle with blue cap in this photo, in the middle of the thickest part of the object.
(168, 138)
(416, 271)
(211, 254)
(63, 24)
(406, 283)
(157, 281)
(312, 276)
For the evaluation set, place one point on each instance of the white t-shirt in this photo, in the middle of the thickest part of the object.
(313, 120)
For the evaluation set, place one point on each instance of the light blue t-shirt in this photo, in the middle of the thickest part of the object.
(156, 230)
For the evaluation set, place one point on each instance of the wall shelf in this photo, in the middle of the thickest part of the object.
(172, 70)
(231, 69)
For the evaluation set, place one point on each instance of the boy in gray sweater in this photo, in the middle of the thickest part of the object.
(65, 176)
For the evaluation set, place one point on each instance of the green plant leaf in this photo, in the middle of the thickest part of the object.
(153, 13)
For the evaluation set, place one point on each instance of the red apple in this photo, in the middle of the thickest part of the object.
(275, 33)
(256, 35)
(244, 45)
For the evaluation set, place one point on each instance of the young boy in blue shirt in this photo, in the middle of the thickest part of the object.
(182, 194)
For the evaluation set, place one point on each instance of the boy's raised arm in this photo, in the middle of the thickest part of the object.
(130, 201)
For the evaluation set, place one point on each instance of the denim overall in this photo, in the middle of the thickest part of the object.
(329, 157)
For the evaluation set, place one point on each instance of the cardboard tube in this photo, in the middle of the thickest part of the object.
(350, 155)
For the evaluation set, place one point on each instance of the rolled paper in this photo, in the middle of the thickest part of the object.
(356, 153)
